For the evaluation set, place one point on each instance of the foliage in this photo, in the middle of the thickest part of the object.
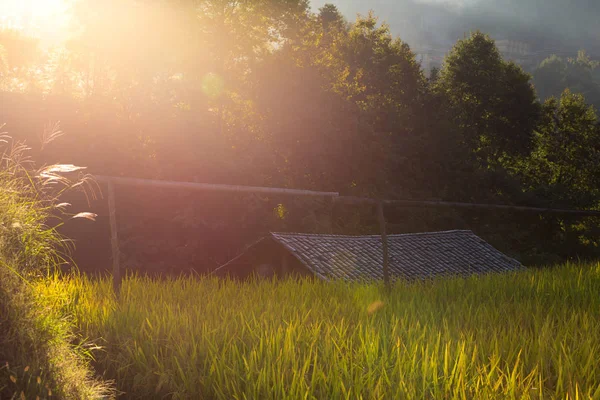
(39, 354)
(268, 93)
(580, 75)
(530, 335)
(566, 163)
(37, 357)
(564, 172)
(493, 103)
(29, 198)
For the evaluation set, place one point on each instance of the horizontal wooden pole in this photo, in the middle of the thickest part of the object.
(335, 195)
(449, 204)
(357, 200)
(211, 186)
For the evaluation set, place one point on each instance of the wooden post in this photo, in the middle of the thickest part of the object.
(114, 241)
(329, 202)
(285, 266)
(211, 187)
(384, 242)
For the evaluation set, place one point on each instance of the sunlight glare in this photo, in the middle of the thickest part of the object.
(46, 19)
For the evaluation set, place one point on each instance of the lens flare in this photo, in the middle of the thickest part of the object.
(213, 85)
(375, 306)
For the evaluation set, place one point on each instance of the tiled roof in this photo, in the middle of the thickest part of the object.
(412, 256)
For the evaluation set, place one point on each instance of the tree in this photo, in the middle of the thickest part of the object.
(20, 57)
(578, 74)
(491, 101)
(341, 105)
(381, 76)
(331, 18)
(19, 50)
(564, 170)
(549, 77)
(266, 93)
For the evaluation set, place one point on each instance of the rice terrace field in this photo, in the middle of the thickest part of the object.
(525, 335)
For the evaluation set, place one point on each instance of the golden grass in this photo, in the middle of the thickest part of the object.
(526, 335)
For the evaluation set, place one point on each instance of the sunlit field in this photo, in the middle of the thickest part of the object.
(533, 334)
(423, 115)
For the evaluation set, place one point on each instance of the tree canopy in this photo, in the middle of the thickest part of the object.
(269, 93)
(580, 74)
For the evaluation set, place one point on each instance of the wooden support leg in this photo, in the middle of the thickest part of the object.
(114, 241)
(384, 241)
(329, 201)
(285, 267)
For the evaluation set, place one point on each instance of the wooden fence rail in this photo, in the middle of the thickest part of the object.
(211, 187)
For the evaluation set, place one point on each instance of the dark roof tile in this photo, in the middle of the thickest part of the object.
(412, 256)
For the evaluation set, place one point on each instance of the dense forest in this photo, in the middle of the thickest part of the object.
(551, 25)
(270, 93)
(579, 74)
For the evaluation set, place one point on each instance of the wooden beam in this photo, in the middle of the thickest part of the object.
(211, 187)
(357, 200)
(449, 204)
(384, 242)
(343, 199)
(114, 241)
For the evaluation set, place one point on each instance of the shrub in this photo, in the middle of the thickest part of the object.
(39, 356)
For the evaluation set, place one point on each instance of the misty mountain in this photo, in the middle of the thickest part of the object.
(548, 26)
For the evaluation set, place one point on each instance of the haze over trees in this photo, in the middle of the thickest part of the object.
(552, 26)
(579, 74)
(270, 93)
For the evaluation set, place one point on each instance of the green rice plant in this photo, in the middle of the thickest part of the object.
(529, 335)
(39, 355)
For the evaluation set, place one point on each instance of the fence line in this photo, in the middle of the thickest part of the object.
(212, 186)
(334, 196)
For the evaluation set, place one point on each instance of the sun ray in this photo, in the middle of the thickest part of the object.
(45, 19)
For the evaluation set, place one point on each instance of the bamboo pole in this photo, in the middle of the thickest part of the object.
(448, 204)
(212, 186)
(345, 199)
(384, 242)
(330, 204)
(285, 266)
(114, 241)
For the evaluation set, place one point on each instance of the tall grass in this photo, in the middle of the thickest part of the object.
(527, 335)
(38, 353)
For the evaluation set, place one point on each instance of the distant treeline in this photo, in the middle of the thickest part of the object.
(268, 93)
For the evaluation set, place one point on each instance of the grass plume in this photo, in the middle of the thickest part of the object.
(40, 356)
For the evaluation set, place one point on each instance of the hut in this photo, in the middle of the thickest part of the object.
(411, 256)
